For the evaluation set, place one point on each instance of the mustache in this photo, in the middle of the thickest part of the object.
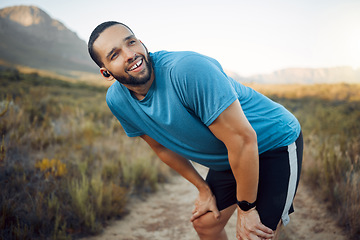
(136, 56)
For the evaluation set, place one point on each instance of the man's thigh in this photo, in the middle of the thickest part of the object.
(276, 178)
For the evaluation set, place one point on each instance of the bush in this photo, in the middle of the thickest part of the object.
(330, 116)
(62, 159)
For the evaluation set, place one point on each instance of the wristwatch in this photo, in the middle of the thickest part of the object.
(246, 206)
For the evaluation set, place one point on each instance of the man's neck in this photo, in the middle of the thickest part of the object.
(140, 91)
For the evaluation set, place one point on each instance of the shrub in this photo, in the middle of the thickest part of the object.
(61, 174)
(330, 116)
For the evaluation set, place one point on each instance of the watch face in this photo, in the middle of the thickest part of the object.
(246, 206)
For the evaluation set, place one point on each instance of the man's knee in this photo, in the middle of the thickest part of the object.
(207, 224)
(200, 226)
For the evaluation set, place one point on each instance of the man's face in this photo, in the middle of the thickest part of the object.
(123, 56)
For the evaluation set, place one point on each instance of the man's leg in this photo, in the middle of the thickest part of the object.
(209, 228)
(277, 231)
(279, 176)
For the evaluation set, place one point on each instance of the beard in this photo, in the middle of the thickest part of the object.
(137, 80)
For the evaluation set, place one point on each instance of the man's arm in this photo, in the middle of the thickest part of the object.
(234, 130)
(206, 201)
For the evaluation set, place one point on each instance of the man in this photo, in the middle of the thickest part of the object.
(185, 107)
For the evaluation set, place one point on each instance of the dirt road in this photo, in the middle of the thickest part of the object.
(165, 216)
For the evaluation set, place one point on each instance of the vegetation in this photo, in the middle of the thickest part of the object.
(330, 117)
(66, 166)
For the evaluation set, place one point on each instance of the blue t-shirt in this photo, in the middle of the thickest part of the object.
(189, 92)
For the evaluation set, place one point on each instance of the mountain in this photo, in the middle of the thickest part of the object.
(30, 37)
(343, 74)
(310, 76)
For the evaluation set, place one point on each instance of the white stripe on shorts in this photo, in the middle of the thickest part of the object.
(292, 183)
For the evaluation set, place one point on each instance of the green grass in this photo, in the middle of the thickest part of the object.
(66, 165)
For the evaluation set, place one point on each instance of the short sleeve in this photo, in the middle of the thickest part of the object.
(117, 111)
(203, 87)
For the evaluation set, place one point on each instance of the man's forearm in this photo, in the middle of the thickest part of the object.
(178, 163)
(183, 167)
(235, 131)
(206, 201)
(244, 163)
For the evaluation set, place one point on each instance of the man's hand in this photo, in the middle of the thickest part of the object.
(204, 203)
(249, 226)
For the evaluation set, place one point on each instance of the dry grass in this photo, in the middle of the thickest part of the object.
(66, 166)
(330, 116)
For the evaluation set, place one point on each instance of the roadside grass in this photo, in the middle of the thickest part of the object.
(330, 119)
(66, 166)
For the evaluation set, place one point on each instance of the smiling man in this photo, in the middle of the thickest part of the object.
(186, 108)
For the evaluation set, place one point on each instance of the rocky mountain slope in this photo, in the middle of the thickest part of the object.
(30, 37)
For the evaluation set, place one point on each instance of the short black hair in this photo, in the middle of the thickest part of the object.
(95, 34)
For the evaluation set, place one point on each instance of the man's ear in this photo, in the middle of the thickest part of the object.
(143, 45)
(105, 73)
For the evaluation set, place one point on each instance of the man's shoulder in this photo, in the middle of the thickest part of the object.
(172, 54)
(166, 58)
(113, 92)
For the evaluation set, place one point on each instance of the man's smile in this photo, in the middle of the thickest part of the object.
(136, 65)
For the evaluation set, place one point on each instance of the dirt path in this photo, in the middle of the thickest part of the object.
(165, 216)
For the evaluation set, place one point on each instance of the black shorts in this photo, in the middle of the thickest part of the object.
(279, 173)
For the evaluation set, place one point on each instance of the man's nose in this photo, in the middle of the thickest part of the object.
(129, 55)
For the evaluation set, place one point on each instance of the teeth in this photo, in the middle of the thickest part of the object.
(136, 65)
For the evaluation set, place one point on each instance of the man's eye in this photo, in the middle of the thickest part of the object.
(114, 56)
(132, 42)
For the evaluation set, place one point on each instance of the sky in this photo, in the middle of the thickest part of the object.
(246, 36)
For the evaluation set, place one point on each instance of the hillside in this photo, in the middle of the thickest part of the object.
(344, 74)
(30, 37)
(311, 76)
